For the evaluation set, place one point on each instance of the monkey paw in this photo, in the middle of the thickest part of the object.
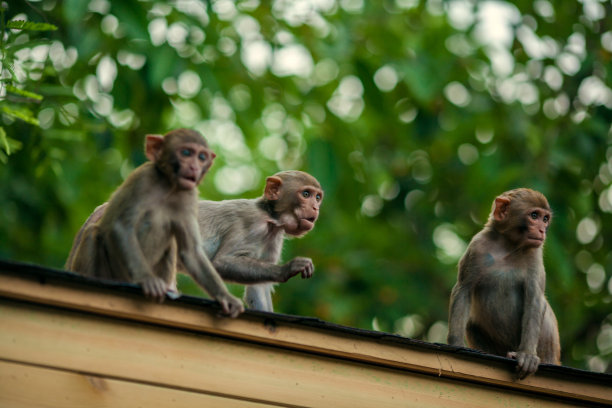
(154, 288)
(231, 305)
(303, 266)
(527, 363)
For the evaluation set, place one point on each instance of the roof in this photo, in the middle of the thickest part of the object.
(389, 356)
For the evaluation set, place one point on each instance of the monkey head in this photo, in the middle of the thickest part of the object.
(295, 199)
(182, 155)
(522, 216)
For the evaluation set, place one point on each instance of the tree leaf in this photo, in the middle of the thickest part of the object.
(30, 26)
(21, 114)
(12, 48)
(23, 92)
(4, 141)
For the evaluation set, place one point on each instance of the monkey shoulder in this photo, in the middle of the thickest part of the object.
(489, 261)
(243, 214)
(231, 227)
(481, 250)
(226, 213)
(133, 192)
(144, 199)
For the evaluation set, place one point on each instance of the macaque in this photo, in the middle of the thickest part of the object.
(498, 301)
(244, 237)
(150, 221)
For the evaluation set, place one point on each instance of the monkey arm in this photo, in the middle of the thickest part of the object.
(458, 314)
(202, 270)
(241, 268)
(195, 260)
(245, 269)
(534, 308)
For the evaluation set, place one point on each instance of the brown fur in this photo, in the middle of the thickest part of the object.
(150, 220)
(498, 302)
(244, 237)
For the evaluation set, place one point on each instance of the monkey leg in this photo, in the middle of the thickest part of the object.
(90, 257)
(167, 267)
(549, 345)
(259, 297)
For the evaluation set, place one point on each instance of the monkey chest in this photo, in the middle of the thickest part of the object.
(501, 286)
(154, 231)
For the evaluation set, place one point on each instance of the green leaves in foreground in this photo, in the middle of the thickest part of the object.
(30, 26)
(15, 103)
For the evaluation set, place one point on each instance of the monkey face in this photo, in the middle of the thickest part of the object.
(193, 160)
(522, 216)
(306, 210)
(535, 227)
(296, 198)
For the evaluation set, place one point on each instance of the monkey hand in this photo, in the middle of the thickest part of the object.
(154, 288)
(231, 305)
(455, 340)
(527, 363)
(295, 266)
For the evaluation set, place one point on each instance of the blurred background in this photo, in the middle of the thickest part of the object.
(413, 115)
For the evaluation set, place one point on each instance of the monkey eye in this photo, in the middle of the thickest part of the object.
(202, 157)
(546, 218)
(534, 215)
(305, 193)
(185, 152)
(318, 197)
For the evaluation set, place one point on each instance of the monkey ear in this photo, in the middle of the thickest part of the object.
(273, 188)
(153, 146)
(501, 208)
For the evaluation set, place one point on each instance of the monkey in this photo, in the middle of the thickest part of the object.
(243, 238)
(498, 302)
(150, 223)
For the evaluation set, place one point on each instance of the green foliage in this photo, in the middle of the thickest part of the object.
(26, 25)
(15, 100)
(27, 94)
(414, 115)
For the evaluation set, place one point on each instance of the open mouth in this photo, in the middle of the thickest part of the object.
(188, 181)
(307, 223)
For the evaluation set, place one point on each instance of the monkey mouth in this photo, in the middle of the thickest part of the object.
(536, 240)
(306, 224)
(188, 181)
